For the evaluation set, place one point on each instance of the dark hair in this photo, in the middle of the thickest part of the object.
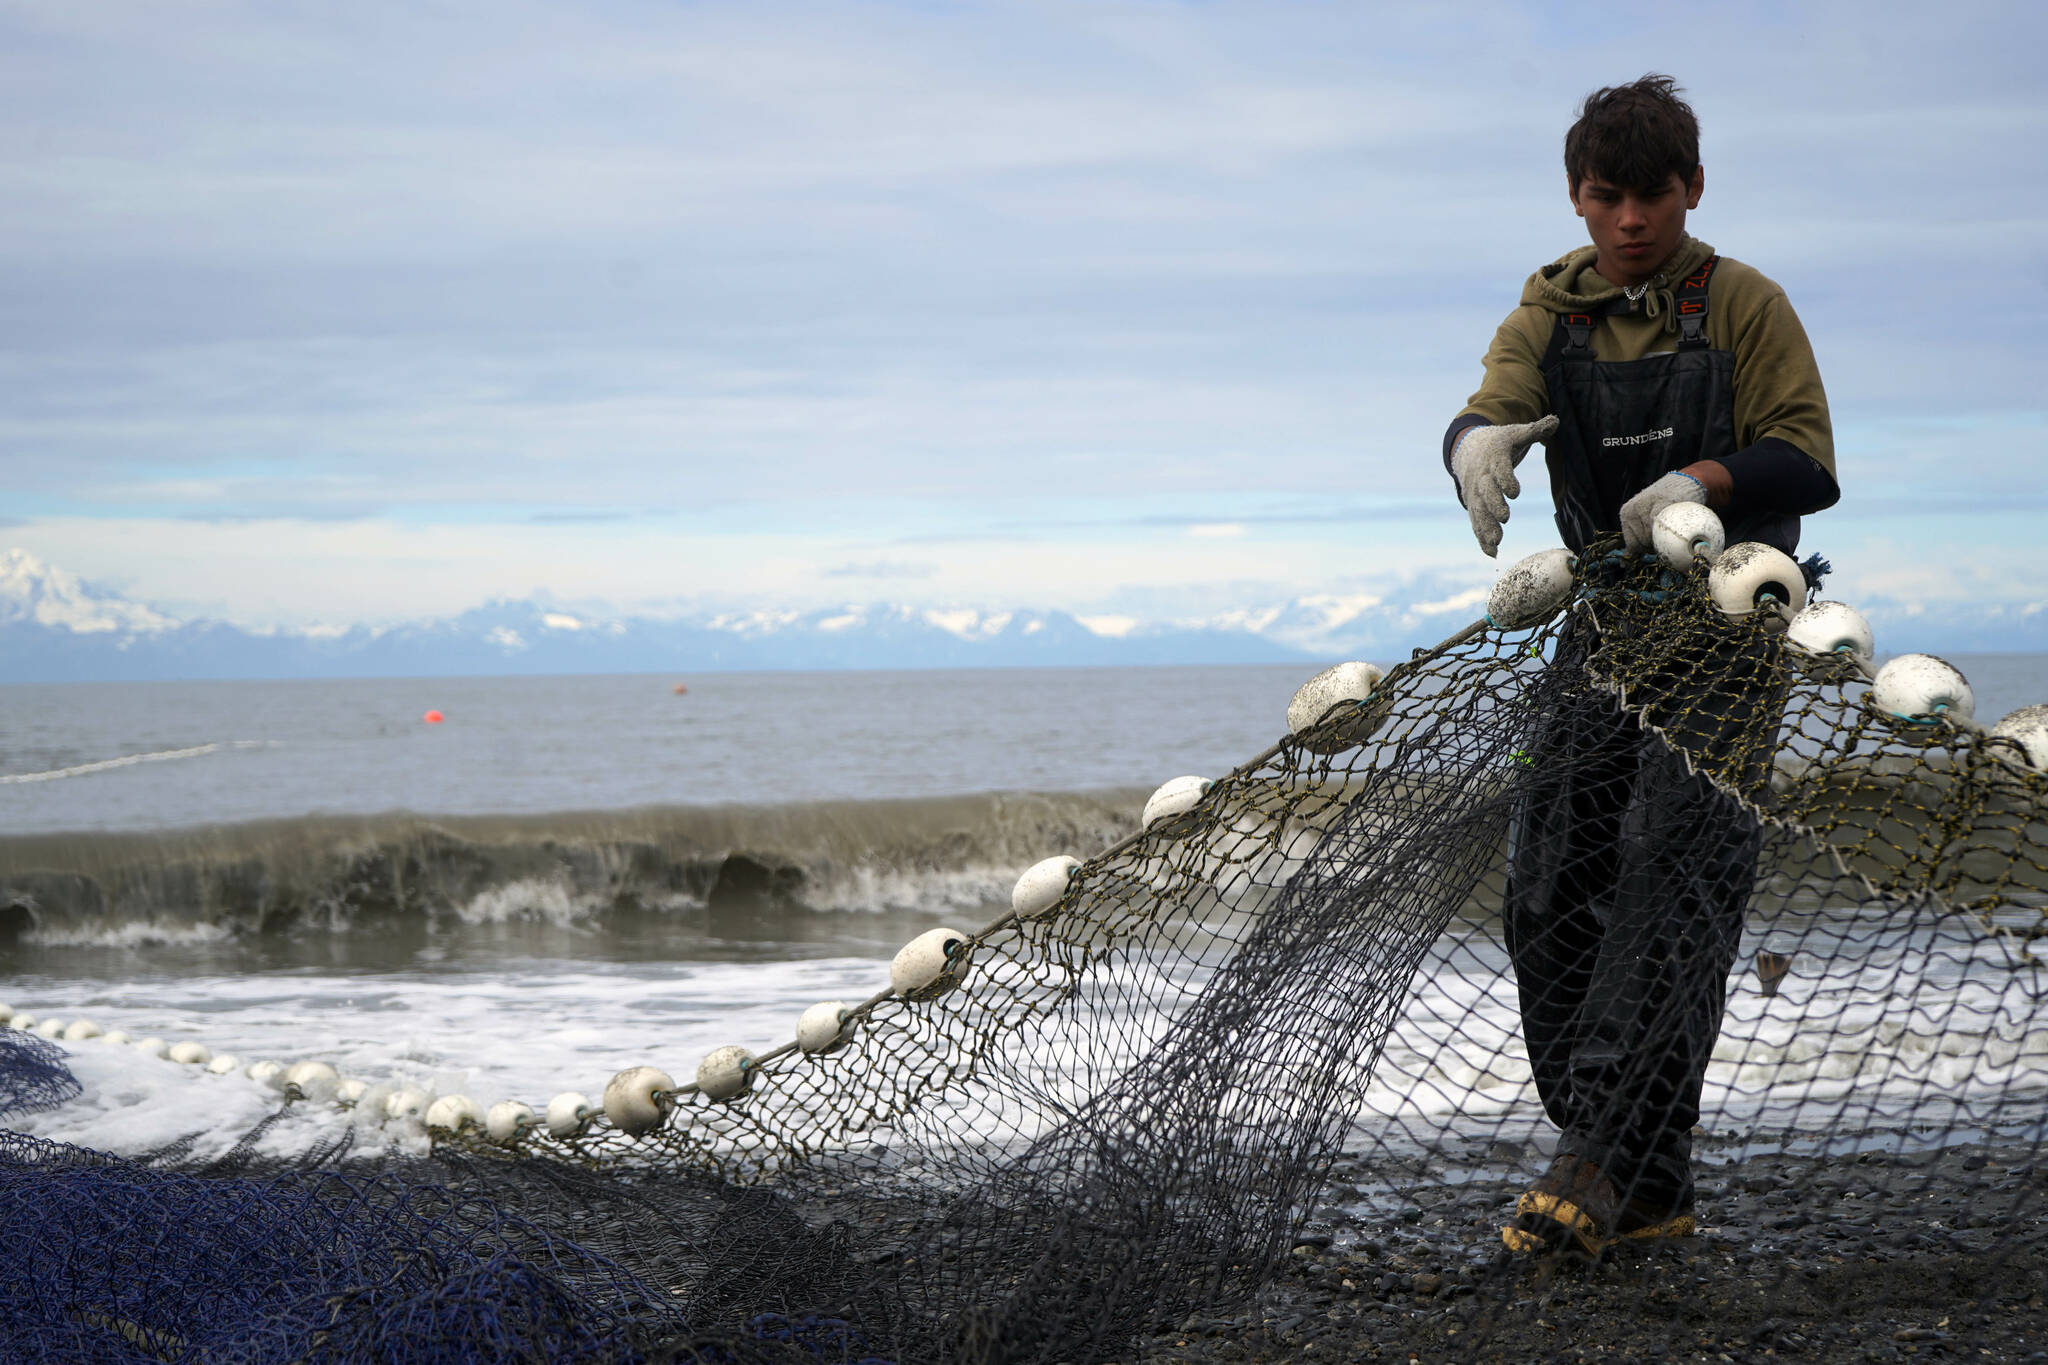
(1636, 135)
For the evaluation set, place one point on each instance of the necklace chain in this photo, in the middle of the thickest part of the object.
(1634, 293)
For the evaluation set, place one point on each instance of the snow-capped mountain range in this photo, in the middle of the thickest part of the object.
(32, 593)
(54, 627)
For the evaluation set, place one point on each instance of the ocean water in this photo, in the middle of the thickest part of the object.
(139, 756)
(568, 876)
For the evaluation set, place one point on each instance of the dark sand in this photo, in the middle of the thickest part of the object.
(1878, 1256)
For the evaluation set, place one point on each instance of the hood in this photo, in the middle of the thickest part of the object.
(1571, 285)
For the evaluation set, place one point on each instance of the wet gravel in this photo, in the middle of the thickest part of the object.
(1877, 1256)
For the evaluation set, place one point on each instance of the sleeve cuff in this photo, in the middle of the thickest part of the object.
(1459, 426)
(1775, 476)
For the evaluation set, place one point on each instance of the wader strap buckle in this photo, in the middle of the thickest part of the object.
(1690, 304)
(1578, 329)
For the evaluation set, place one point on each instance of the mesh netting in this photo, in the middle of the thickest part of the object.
(32, 1074)
(1642, 889)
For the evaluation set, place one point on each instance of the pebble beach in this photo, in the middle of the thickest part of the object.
(1875, 1256)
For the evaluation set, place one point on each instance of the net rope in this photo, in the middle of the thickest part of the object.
(1352, 990)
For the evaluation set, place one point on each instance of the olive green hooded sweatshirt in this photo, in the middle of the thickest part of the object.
(1777, 385)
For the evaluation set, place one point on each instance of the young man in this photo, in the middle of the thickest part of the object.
(1653, 371)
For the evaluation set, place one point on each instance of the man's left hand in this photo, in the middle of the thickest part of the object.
(1640, 511)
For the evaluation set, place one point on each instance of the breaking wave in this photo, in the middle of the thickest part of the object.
(130, 760)
(327, 873)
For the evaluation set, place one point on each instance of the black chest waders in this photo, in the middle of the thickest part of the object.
(1629, 876)
(1622, 425)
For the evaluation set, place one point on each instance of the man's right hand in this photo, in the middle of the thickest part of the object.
(1483, 462)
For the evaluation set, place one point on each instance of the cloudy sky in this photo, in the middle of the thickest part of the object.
(336, 313)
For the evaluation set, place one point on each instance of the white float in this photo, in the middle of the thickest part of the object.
(1532, 590)
(1041, 886)
(1753, 575)
(725, 1073)
(1176, 796)
(265, 1073)
(115, 1037)
(1351, 682)
(450, 1113)
(1833, 628)
(151, 1047)
(929, 965)
(23, 1021)
(223, 1064)
(1921, 689)
(316, 1081)
(636, 1100)
(1683, 531)
(507, 1119)
(349, 1093)
(81, 1029)
(406, 1102)
(567, 1113)
(52, 1027)
(6, 1013)
(1348, 688)
(190, 1053)
(2028, 729)
(823, 1027)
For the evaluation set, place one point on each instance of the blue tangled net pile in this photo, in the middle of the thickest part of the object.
(119, 1260)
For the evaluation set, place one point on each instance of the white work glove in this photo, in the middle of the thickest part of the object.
(1483, 462)
(1639, 513)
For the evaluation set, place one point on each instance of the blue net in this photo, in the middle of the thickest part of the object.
(33, 1076)
(390, 1261)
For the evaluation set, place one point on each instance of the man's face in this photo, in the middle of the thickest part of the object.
(1636, 230)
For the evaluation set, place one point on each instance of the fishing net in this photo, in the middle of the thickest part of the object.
(33, 1076)
(1642, 883)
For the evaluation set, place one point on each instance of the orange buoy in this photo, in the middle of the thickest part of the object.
(680, 690)
(433, 718)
